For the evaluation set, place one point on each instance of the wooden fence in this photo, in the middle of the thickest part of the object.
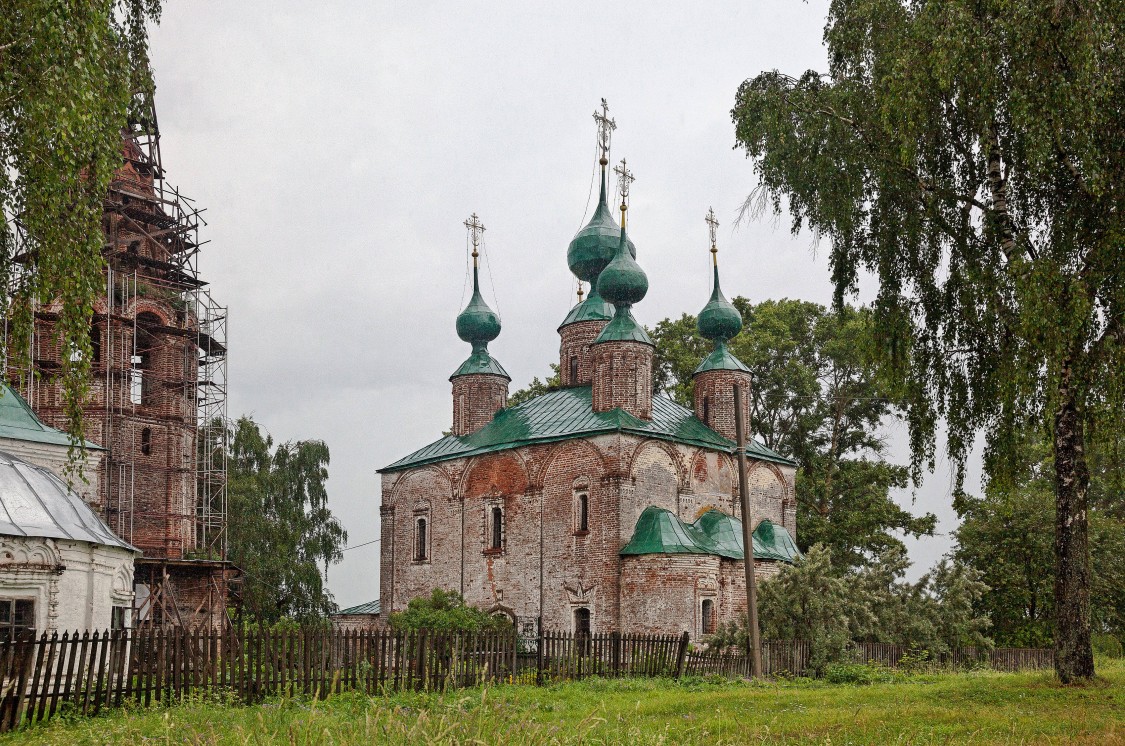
(83, 673)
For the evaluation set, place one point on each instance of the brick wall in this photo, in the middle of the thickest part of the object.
(537, 489)
(623, 377)
(716, 388)
(477, 397)
(575, 341)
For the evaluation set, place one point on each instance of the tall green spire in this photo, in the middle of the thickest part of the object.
(719, 321)
(478, 324)
(623, 283)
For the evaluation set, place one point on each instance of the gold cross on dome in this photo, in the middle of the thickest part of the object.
(476, 230)
(606, 126)
(712, 228)
(624, 179)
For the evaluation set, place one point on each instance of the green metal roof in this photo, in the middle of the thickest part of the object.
(371, 607)
(19, 422)
(593, 247)
(623, 282)
(659, 531)
(719, 319)
(623, 328)
(594, 308)
(569, 413)
(721, 359)
(480, 362)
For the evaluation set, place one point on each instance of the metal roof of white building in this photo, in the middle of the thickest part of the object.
(36, 503)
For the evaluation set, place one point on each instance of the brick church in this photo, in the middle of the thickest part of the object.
(597, 506)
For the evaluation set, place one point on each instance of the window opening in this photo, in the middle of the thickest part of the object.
(146, 441)
(582, 627)
(420, 540)
(573, 369)
(16, 615)
(119, 618)
(497, 527)
(708, 614)
(583, 512)
(707, 410)
(95, 343)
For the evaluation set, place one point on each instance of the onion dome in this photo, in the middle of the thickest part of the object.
(593, 247)
(594, 308)
(478, 325)
(623, 283)
(719, 321)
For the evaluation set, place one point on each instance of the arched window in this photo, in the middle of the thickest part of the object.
(146, 441)
(582, 512)
(708, 616)
(706, 410)
(573, 370)
(420, 539)
(582, 625)
(497, 528)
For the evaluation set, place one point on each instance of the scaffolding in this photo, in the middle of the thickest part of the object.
(158, 395)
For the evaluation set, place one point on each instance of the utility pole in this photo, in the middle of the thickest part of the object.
(755, 651)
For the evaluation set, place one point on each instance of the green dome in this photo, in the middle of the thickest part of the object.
(719, 320)
(478, 322)
(623, 282)
(594, 308)
(593, 247)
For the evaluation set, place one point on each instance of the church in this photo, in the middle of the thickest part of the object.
(598, 506)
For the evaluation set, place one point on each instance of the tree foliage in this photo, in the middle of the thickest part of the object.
(446, 611)
(968, 154)
(281, 531)
(1008, 536)
(816, 398)
(73, 76)
(536, 387)
(817, 601)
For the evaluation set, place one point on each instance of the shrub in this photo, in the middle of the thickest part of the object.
(446, 611)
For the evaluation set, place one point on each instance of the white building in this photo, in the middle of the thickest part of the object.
(61, 567)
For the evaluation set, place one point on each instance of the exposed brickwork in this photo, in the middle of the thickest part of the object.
(575, 364)
(623, 377)
(714, 400)
(538, 490)
(476, 399)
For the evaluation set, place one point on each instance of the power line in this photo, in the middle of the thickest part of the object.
(357, 546)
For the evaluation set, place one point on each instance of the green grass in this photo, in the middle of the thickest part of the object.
(977, 708)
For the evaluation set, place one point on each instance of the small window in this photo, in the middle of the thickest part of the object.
(707, 616)
(119, 618)
(95, 343)
(16, 615)
(573, 369)
(707, 410)
(582, 522)
(497, 528)
(146, 441)
(420, 538)
(581, 623)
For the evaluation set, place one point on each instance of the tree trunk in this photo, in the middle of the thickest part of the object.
(1074, 657)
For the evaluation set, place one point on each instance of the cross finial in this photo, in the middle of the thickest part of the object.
(476, 230)
(712, 228)
(606, 126)
(624, 179)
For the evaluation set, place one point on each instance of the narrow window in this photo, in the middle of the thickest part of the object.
(420, 540)
(581, 624)
(707, 615)
(146, 441)
(95, 343)
(119, 618)
(497, 527)
(707, 410)
(573, 369)
(583, 512)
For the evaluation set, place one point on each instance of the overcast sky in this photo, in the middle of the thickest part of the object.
(338, 147)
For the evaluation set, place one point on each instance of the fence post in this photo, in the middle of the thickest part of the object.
(539, 654)
(681, 658)
(615, 652)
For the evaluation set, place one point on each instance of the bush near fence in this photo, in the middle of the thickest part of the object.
(83, 673)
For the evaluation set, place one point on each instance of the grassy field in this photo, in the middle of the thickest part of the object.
(974, 708)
